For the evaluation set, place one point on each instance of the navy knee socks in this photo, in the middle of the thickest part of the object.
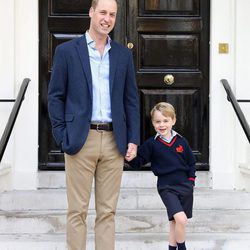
(181, 246)
(171, 247)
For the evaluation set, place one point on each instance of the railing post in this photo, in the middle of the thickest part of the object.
(12, 118)
(237, 109)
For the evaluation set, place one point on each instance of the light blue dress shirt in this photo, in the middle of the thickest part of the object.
(101, 107)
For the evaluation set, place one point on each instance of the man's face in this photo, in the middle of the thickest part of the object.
(103, 17)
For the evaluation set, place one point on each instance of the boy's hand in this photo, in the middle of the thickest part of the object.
(131, 152)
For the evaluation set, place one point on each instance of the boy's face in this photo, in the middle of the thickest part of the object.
(162, 124)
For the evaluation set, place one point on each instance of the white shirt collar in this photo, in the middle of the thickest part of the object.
(173, 134)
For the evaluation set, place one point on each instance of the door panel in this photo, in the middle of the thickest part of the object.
(175, 7)
(72, 7)
(169, 37)
(186, 122)
(158, 52)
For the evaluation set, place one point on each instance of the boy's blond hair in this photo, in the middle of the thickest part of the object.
(165, 108)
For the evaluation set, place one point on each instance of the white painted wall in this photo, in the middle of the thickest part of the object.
(19, 24)
(7, 78)
(228, 145)
(222, 119)
(26, 66)
(242, 89)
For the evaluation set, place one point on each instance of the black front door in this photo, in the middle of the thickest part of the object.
(170, 43)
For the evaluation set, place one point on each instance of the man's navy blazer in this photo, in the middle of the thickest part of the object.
(70, 96)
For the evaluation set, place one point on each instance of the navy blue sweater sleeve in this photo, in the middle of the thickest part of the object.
(143, 155)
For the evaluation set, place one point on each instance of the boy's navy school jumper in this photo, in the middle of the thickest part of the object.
(174, 164)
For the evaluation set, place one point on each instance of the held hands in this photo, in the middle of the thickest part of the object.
(131, 152)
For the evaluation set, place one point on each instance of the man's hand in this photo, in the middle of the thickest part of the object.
(131, 152)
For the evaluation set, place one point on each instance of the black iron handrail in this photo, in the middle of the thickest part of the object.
(13, 115)
(242, 100)
(237, 109)
(7, 100)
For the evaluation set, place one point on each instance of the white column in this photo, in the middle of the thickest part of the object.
(242, 91)
(6, 59)
(7, 69)
(222, 118)
(26, 66)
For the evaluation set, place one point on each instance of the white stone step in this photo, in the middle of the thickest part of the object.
(130, 179)
(127, 221)
(139, 210)
(129, 199)
(36, 220)
(129, 242)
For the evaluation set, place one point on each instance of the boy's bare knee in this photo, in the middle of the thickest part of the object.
(180, 219)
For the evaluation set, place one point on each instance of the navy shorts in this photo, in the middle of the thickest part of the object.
(178, 198)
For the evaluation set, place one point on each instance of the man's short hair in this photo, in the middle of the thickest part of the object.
(95, 2)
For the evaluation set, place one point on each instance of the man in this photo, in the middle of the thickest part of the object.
(93, 107)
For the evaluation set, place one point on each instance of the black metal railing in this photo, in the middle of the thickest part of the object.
(13, 115)
(231, 98)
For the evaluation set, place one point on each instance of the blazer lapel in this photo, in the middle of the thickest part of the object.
(113, 57)
(82, 49)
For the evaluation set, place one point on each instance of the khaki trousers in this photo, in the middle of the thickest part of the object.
(99, 159)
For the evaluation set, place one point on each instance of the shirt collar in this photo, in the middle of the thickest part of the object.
(174, 133)
(91, 42)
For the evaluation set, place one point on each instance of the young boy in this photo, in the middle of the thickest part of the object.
(173, 162)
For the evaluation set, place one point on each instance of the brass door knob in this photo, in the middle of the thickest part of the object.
(130, 45)
(169, 79)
